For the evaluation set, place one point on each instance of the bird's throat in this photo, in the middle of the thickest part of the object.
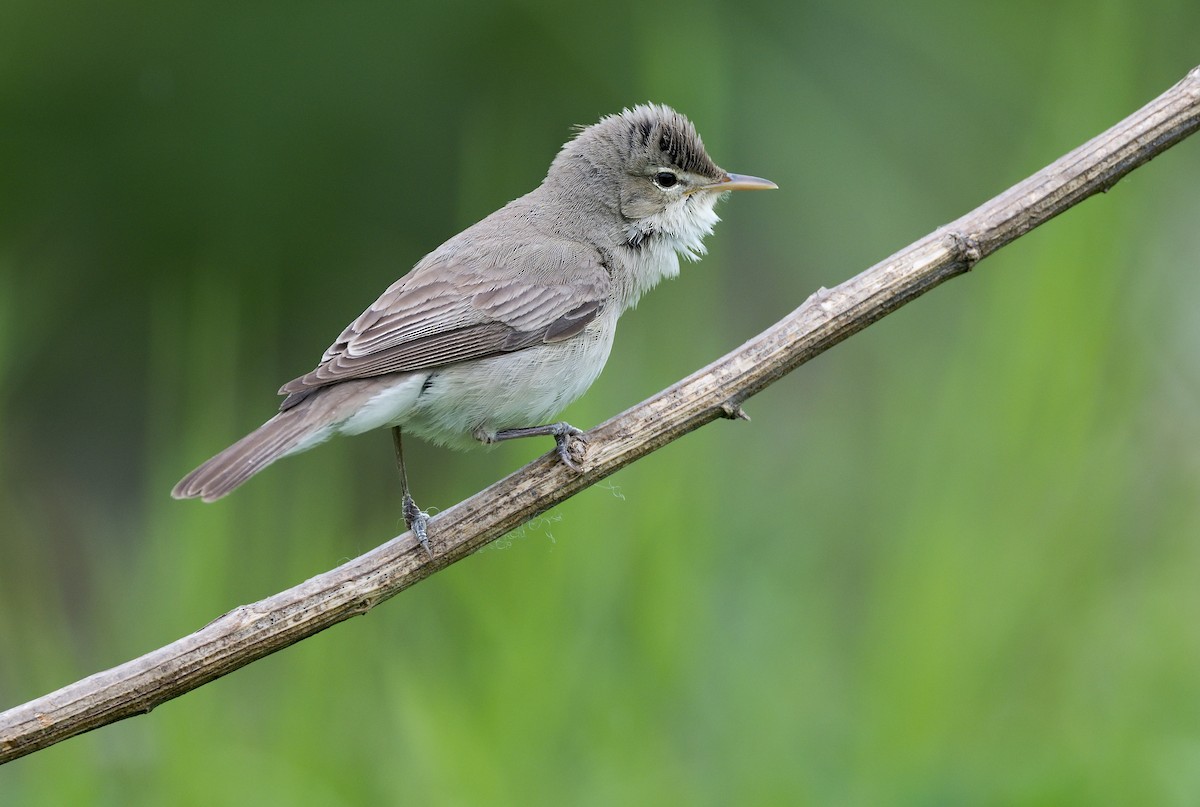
(655, 243)
(680, 228)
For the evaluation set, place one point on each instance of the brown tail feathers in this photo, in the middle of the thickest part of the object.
(278, 437)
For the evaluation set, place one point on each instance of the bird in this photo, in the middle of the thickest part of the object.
(492, 334)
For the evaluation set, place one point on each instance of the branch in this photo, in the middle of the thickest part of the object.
(252, 631)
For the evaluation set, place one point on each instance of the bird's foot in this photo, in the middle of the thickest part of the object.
(571, 443)
(417, 521)
(570, 451)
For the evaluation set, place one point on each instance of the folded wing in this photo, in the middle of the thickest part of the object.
(448, 311)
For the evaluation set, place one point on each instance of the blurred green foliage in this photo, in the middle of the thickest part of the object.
(954, 561)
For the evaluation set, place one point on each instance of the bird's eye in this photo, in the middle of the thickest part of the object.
(665, 179)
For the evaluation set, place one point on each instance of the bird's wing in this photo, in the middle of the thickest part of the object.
(447, 311)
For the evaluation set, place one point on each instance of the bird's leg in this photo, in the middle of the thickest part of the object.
(416, 519)
(562, 432)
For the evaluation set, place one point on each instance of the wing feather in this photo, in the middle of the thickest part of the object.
(444, 312)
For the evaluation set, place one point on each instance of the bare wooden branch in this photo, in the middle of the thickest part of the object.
(829, 316)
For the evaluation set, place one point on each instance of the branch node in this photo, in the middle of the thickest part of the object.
(967, 248)
(577, 451)
(732, 410)
(819, 298)
(362, 606)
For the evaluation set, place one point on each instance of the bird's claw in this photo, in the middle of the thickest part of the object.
(417, 521)
(572, 446)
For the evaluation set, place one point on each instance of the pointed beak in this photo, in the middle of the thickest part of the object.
(739, 182)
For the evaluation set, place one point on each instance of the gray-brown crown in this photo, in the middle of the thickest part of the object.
(646, 136)
(661, 129)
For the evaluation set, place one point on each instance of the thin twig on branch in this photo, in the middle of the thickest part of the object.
(252, 631)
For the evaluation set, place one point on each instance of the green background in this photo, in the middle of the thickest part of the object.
(954, 561)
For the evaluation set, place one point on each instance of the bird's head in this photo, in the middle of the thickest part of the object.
(648, 166)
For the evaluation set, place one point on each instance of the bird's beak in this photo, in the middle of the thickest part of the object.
(739, 182)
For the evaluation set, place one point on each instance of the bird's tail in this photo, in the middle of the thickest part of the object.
(288, 432)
